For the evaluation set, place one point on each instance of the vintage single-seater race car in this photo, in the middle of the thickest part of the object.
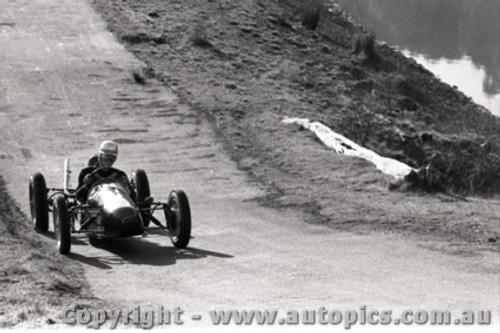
(110, 210)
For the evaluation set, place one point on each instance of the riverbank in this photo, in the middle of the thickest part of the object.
(247, 65)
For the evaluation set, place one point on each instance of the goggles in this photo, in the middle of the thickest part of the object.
(107, 157)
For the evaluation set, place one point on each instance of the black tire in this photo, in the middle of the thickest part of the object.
(179, 219)
(39, 203)
(62, 227)
(141, 184)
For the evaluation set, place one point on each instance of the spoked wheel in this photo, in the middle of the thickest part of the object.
(62, 227)
(178, 216)
(141, 183)
(38, 202)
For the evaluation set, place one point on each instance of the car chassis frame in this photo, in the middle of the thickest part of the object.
(73, 217)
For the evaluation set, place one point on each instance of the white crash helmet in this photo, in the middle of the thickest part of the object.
(109, 148)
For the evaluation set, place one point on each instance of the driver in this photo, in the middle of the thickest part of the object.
(108, 152)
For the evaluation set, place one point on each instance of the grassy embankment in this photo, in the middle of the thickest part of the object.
(248, 64)
(38, 284)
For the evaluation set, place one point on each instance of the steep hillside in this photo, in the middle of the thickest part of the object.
(248, 64)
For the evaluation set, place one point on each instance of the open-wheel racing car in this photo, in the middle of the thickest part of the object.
(112, 209)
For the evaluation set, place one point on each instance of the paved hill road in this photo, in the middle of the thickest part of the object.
(66, 85)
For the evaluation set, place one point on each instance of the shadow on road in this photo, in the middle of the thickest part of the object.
(140, 251)
(91, 261)
(74, 240)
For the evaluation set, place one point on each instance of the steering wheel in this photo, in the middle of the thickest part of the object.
(106, 172)
(100, 174)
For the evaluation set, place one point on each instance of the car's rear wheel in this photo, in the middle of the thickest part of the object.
(178, 216)
(39, 203)
(62, 227)
(141, 184)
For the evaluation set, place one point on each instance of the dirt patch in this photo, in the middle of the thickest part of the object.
(247, 64)
(37, 283)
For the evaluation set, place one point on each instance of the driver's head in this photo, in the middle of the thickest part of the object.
(108, 152)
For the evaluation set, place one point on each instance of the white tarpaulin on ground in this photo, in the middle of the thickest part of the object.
(344, 146)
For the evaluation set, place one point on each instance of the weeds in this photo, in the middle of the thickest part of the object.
(471, 170)
(138, 76)
(305, 80)
(311, 13)
(362, 124)
(293, 72)
(141, 75)
(199, 36)
(30, 310)
(459, 166)
(16, 270)
(36, 309)
(361, 119)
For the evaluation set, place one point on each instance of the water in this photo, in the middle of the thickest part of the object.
(458, 40)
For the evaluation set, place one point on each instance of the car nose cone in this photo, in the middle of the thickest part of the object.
(124, 213)
(123, 222)
(120, 216)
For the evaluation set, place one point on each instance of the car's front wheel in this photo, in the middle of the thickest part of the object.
(178, 216)
(62, 226)
(141, 184)
(39, 203)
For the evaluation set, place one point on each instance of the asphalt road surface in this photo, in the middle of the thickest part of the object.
(65, 86)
